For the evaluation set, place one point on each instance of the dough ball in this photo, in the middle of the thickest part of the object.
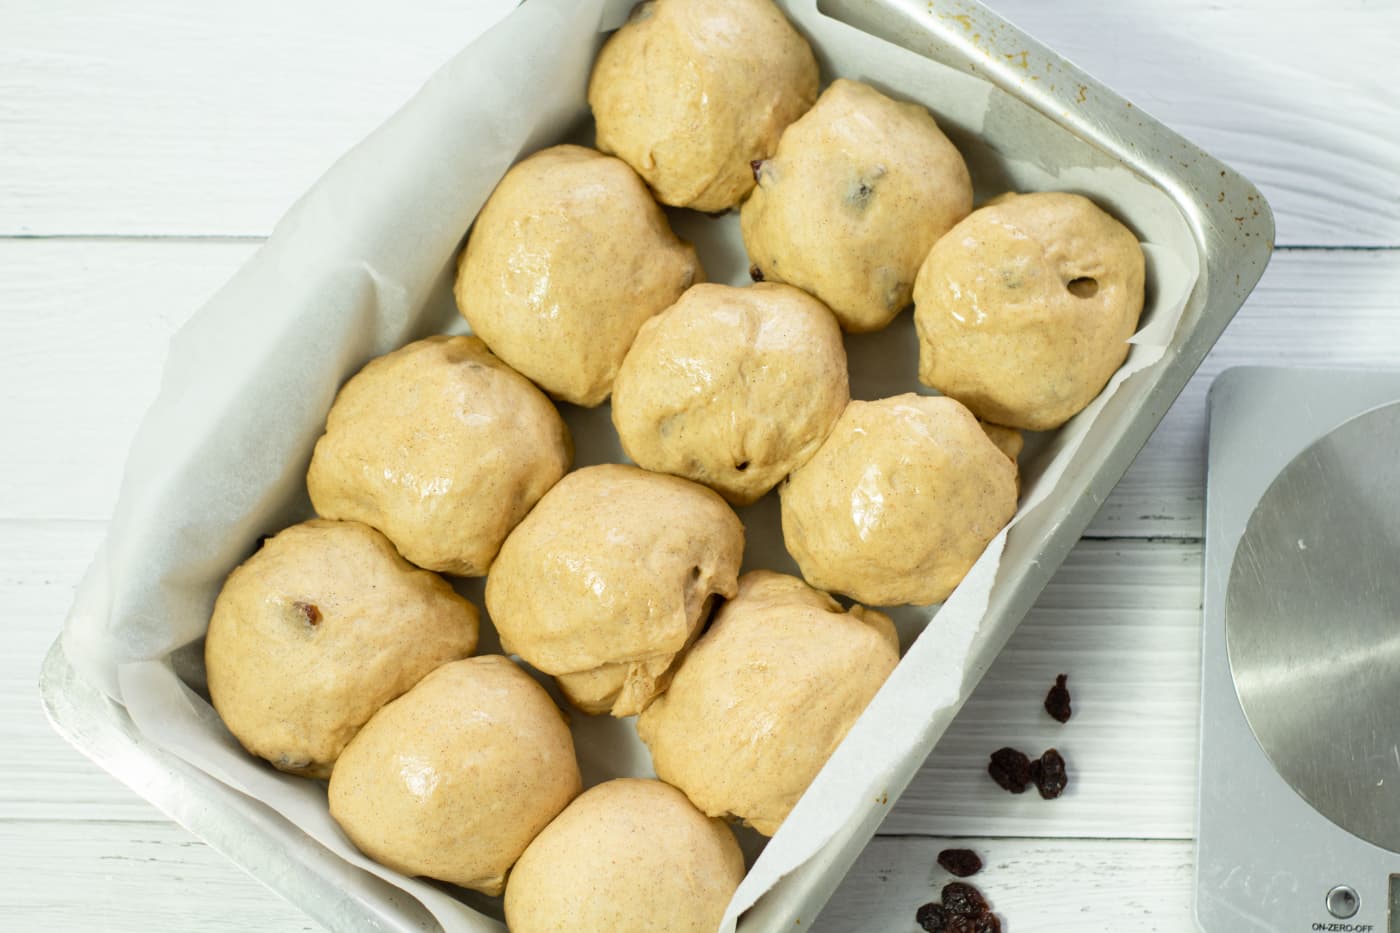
(456, 777)
(609, 579)
(443, 448)
(1008, 440)
(1024, 309)
(689, 92)
(316, 631)
(899, 502)
(629, 856)
(860, 189)
(732, 387)
(765, 696)
(565, 262)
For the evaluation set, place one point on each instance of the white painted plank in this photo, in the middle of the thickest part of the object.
(41, 776)
(157, 118)
(1035, 886)
(141, 877)
(85, 323)
(133, 877)
(1319, 308)
(83, 331)
(166, 117)
(1123, 620)
(1300, 98)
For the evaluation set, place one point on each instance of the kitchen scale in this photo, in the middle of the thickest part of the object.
(1298, 823)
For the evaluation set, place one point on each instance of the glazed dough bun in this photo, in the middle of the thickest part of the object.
(899, 502)
(1008, 440)
(1024, 309)
(765, 696)
(629, 856)
(443, 448)
(860, 189)
(689, 92)
(456, 777)
(732, 387)
(609, 578)
(565, 262)
(316, 631)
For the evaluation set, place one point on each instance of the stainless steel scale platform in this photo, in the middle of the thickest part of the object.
(1298, 824)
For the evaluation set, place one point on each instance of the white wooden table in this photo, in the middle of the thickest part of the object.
(147, 147)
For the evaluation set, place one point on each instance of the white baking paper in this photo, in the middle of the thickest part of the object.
(362, 265)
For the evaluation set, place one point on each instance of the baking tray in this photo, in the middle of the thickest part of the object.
(1232, 233)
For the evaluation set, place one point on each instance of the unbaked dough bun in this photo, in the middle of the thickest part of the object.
(690, 92)
(859, 190)
(456, 777)
(628, 856)
(899, 502)
(564, 264)
(608, 580)
(443, 448)
(316, 631)
(765, 696)
(732, 387)
(1024, 309)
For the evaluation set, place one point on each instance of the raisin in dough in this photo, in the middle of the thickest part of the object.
(456, 777)
(765, 696)
(690, 92)
(899, 502)
(316, 631)
(859, 190)
(608, 580)
(1024, 309)
(667, 866)
(564, 264)
(732, 387)
(443, 448)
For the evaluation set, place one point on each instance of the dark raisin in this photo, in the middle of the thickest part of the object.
(932, 917)
(1048, 772)
(961, 862)
(1010, 769)
(986, 922)
(756, 273)
(960, 925)
(757, 166)
(1057, 700)
(310, 612)
(963, 900)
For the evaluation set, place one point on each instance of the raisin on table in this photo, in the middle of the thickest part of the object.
(960, 862)
(986, 922)
(932, 918)
(1010, 769)
(963, 900)
(1057, 700)
(1048, 773)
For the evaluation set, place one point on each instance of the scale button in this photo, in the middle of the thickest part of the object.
(1343, 902)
